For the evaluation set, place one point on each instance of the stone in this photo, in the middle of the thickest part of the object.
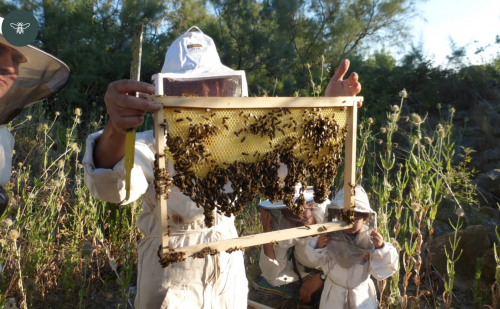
(490, 181)
(447, 214)
(440, 228)
(489, 266)
(484, 197)
(492, 236)
(490, 212)
(473, 243)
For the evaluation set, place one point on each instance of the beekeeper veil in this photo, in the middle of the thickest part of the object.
(344, 248)
(284, 218)
(193, 67)
(27, 75)
(40, 76)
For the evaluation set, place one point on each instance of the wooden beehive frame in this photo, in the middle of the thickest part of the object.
(259, 102)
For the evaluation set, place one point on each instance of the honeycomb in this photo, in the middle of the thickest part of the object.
(233, 143)
(245, 147)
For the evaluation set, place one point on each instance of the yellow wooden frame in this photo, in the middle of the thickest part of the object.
(260, 102)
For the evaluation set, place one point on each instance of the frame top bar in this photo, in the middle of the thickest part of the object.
(256, 102)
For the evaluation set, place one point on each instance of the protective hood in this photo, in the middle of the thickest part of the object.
(283, 218)
(347, 249)
(192, 66)
(40, 76)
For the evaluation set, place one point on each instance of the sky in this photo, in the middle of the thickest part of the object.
(465, 21)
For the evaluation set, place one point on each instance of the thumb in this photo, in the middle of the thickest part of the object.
(344, 66)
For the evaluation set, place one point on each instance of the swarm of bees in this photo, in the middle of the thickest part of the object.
(170, 257)
(163, 181)
(316, 154)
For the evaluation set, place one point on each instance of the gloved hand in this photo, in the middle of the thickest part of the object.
(4, 200)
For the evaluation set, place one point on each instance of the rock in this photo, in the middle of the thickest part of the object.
(489, 266)
(473, 244)
(440, 228)
(446, 214)
(484, 197)
(492, 236)
(490, 212)
(490, 181)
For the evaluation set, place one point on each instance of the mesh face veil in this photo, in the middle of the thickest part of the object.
(40, 76)
(283, 218)
(192, 66)
(346, 249)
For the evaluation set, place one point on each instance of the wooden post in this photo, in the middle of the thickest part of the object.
(135, 68)
(350, 158)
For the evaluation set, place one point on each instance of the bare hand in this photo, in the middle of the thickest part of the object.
(337, 87)
(127, 111)
(377, 239)
(309, 287)
(323, 240)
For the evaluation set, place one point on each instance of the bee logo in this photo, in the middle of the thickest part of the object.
(20, 27)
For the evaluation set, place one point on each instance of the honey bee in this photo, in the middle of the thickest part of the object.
(177, 111)
(307, 227)
(180, 119)
(245, 153)
(189, 119)
(243, 139)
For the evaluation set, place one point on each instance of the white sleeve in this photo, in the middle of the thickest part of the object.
(279, 271)
(271, 268)
(109, 184)
(317, 256)
(384, 262)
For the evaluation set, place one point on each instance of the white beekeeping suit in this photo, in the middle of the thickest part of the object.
(36, 75)
(348, 261)
(192, 66)
(281, 271)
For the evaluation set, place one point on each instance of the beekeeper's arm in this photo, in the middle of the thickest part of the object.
(384, 261)
(316, 252)
(273, 258)
(125, 112)
(108, 184)
(103, 161)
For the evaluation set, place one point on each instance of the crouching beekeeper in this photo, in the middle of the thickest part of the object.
(350, 256)
(193, 67)
(27, 75)
(285, 264)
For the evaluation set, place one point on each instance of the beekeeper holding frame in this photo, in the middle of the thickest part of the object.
(218, 281)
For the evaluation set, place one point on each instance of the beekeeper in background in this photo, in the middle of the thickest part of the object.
(218, 281)
(285, 263)
(27, 75)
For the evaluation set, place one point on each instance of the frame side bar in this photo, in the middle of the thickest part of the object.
(350, 158)
(161, 204)
(262, 238)
(256, 102)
